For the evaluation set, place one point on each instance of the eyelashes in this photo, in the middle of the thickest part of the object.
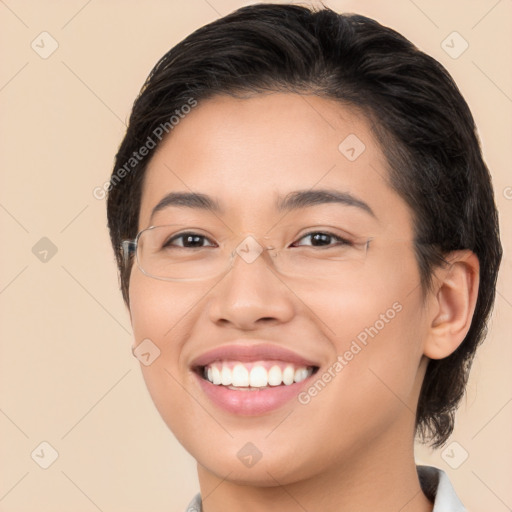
(317, 238)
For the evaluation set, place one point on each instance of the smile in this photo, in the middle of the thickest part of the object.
(250, 376)
(252, 379)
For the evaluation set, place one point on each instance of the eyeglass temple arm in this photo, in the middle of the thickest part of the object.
(128, 247)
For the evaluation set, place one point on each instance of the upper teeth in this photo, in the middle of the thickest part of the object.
(255, 374)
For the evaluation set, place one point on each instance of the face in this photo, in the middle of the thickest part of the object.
(338, 311)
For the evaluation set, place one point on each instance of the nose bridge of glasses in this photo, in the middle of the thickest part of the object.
(250, 248)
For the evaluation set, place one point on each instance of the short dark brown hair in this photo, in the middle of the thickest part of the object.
(423, 123)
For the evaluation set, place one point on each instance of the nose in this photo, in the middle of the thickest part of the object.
(250, 296)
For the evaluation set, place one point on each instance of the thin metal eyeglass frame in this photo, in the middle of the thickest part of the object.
(130, 246)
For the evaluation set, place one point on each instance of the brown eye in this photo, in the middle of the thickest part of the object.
(188, 241)
(322, 239)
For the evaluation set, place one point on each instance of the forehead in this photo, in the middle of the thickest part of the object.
(247, 152)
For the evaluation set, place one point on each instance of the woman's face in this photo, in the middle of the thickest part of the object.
(352, 314)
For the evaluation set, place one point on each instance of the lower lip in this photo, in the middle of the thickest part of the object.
(250, 403)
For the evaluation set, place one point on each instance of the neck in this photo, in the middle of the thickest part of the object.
(382, 478)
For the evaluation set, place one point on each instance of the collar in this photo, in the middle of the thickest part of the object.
(437, 487)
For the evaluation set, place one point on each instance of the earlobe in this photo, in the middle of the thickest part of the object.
(453, 304)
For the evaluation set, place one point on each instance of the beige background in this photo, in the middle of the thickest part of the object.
(67, 375)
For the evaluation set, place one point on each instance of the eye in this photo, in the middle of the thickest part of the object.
(188, 241)
(322, 239)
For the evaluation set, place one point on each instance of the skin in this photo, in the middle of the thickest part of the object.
(351, 446)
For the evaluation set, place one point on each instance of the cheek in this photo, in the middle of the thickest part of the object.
(373, 320)
(158, 308)
(160, 312)
(372, 382)
(365, 299)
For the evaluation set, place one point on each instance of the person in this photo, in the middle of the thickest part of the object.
(308, 247)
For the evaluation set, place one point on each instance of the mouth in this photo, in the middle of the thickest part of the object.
(253, 376)
(251, 380)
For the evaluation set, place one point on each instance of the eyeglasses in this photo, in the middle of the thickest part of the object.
(172, 253)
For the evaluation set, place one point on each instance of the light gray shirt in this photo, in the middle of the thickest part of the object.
(434, 482)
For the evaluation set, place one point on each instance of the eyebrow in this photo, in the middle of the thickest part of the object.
(187, 200)
(292, 201)
(305, 198)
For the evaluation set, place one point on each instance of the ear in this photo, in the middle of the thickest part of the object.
(452, 304)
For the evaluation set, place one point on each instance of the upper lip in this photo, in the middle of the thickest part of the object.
(251, 353)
